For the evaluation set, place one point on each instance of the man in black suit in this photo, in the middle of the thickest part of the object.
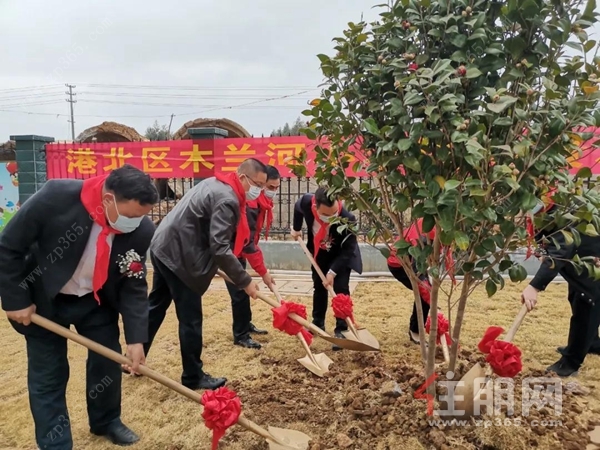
(337, 254)
(75, 253)
(260, 215)
(584, 290)
(206, 230)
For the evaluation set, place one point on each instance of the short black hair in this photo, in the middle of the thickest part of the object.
(321, 198)
(253, 166)
(273, 173)
(130, 183)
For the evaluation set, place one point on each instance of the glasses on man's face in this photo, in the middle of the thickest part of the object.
(255, 183)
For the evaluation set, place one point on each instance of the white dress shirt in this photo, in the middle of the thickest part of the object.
(81, 283)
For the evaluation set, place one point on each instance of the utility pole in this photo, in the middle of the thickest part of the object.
(71, 101)
(169, 131)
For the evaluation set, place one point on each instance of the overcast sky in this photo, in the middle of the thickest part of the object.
(230, 48)
(219, 55)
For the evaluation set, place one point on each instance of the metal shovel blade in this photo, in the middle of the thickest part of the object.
(289, 439)
(322, 366)
(469, 389)
(350, 344)
(364, 337)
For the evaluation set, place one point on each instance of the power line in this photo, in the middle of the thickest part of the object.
(169, 96)
(71, 102)
(31, 88)
(197, 88)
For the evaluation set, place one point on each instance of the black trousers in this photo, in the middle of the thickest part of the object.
(400, 275)
(48, 370)
(240, 308)
(341, 285)
(167, 287)
(583, 329)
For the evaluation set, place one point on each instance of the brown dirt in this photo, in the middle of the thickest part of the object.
(353, 407)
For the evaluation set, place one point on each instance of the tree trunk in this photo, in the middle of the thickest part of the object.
(460, 314)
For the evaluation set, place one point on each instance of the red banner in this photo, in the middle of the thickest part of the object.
(202, 158)
(178, 159)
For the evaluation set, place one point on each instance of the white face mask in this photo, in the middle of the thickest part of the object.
(253, 193)
(125, 224)
(325, 219)
(270, 194)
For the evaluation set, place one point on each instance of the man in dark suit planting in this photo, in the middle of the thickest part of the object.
(206, 230)
(75, 253)
(260, 216)
(337, 254)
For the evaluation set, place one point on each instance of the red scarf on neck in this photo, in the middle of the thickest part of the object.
(91, 197)
(324, 229)
(265, 206)
(242, 234)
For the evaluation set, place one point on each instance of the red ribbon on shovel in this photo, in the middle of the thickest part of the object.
(282, 321)
(222, 409)
(343, 308)
(504, 357)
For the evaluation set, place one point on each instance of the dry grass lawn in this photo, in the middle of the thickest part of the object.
(165, 420)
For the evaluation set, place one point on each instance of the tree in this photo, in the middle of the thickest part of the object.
(464, 112)
(157, 132)
(287, 130)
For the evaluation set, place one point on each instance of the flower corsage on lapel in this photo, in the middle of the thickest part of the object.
(131, 265)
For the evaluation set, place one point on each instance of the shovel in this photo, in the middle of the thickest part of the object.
(343, 343)
(468, 386)
(317, 364)
(354, 333)
(277, 438)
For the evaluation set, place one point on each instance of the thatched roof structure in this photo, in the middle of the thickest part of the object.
(235, 129)
(110, 132)
(7, 151)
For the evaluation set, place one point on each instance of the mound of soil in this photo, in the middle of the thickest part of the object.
(374, 408)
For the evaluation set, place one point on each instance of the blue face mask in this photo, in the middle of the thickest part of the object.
(124, 224)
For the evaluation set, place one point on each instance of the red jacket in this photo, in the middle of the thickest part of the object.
(412, 235)
(252, 252)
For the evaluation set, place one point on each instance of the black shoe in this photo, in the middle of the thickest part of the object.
(593, 351)
(338, 335)
(255, 330)
(119, 434)
(207, 382)
(562, 368)
(248, 342)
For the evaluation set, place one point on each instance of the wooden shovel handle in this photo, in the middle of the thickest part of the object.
(445, 348)
(516, 324)
(315, 265)
(144, 370)
(295, 317)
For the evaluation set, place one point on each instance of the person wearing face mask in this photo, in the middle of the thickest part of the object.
(260, 214)
(583, 289)
(336, 253)
(207, 230)
(59, 258)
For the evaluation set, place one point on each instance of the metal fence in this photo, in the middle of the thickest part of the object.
(173, 189)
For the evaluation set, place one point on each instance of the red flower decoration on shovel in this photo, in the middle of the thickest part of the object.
(343, 307)
(282, 321)
(443, 327)
(503, 357)
(222, 409)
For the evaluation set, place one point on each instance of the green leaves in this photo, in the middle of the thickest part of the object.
(471, 138)
(502, 103)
